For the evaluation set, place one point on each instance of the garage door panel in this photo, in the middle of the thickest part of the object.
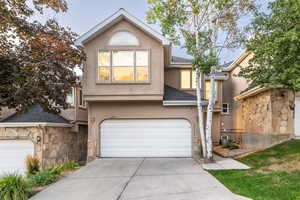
(13, 154)
(145, 138)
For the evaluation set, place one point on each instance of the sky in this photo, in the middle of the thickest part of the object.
(83, 15)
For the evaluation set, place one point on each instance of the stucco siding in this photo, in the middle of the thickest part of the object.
(93, 90)
(100, 111)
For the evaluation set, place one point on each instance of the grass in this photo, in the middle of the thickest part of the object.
(275, 174)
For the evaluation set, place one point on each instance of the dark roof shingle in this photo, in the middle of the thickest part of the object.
(176, 59)
(35, 114)
(173, 94)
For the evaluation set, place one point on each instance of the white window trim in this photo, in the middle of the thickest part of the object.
(110, 81)
(83, 103)
(126, 45)
(225, 113)
(73, 97)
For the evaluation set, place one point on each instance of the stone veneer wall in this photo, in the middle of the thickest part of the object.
(268, 117)
(56, 146)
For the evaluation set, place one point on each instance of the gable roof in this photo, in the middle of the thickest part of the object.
(35, 114)
(115, 18)
(236, 62)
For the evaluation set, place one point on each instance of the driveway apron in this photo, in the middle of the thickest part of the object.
(138, 179)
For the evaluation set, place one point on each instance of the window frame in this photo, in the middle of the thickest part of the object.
(73, 97)
(225, 113)
(216, 87)
(191, 79)
(81, 102)
(110, 81)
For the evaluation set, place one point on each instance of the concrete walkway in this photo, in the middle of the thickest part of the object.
(139, 179)
(224, 164)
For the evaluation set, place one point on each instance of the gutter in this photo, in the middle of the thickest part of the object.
(183, 103)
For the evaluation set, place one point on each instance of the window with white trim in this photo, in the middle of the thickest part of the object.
(70, 99)
(123, 66)
(81, 100)
(123, 38)
(207, 90)
(187, 79)
(225, 108)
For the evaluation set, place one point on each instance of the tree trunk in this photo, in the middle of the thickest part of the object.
(199, 86)
(209, 118)
(200, 110)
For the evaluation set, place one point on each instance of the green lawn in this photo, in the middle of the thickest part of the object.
(275, 174)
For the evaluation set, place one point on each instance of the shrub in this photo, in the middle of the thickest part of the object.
(14, 187)
(230, 146)
(42, 178)
(70, 165)
(56, 169)
(32, 165)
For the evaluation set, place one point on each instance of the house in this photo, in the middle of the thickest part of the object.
(50, 137)
(259, 117)
(140, 99)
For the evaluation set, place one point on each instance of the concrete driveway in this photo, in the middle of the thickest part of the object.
(138, 179)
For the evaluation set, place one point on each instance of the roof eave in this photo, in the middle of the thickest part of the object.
(116, 17)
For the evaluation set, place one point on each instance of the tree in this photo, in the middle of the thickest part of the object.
(276, 47)
(206, 27)
(36, 60)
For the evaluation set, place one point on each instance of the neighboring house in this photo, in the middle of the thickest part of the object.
(141, 99)
(259, 117)
(55, 138)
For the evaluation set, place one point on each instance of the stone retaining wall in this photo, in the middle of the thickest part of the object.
(267, 118)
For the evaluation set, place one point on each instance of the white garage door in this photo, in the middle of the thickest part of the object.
(297, 117)
(13, 154)
(145, 138)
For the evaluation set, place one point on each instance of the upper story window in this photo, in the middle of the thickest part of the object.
(207, 90)
(123, 66)
(123, 38)
(81, 100)
(188, 79)
(70, 99)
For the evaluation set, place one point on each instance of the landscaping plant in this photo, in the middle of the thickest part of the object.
(42, 178)
(14, 187)
(32, 165)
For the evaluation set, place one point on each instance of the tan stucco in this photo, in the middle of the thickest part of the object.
(100, 111)
(95, 91)
(231, 123)
(173, 78)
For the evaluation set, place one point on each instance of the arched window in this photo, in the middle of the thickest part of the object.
(123, 38)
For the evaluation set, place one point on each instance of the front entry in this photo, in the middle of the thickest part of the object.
(146, 138)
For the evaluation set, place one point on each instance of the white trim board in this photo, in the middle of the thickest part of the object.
(32, 124)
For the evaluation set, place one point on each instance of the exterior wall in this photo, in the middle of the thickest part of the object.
(137, 110)
(172, 78)
(56, 145)
(231, 123)
(74, 113)
(94, 91)
(268, 117)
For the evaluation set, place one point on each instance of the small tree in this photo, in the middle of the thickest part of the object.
(206, 27)
(276, 47)
(36, 60)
